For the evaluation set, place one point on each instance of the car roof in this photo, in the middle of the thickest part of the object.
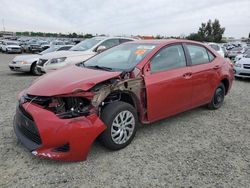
(164, 41)
(104, 38)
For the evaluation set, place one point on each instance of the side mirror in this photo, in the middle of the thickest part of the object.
(101, 49)
(146, 69)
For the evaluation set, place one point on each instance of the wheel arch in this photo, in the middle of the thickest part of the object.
(124, 96)
(225, 82)
(32, 64)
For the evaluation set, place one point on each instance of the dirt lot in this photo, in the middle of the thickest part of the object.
(198, 148)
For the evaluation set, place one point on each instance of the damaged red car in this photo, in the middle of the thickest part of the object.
(106, 97)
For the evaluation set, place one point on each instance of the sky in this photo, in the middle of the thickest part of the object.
(125, 17)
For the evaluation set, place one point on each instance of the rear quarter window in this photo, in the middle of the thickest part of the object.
(199, 54)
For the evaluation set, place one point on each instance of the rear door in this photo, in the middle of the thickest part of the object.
(204, 69)
(168, 83)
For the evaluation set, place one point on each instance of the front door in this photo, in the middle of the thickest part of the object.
(169, 83)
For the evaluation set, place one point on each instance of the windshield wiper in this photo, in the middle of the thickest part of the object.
(98, 67)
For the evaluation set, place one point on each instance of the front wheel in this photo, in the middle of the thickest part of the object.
(33, 69)
(121, 121)
(218, 97)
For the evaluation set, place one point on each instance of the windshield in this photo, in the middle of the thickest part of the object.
(236, 49)
(51, 49)
(247, 53)
(85, 45)
(121, 58)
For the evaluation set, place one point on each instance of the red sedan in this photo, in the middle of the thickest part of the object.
(106, 97)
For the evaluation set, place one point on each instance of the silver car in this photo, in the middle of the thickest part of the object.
(242, 67)
(27, 63)
(11, 47)
(80, 52)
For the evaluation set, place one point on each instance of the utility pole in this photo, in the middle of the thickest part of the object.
(3, 26)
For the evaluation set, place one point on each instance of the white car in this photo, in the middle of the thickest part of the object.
(11, 47)
(246, 52)
(80, 52)
(242, 67)
(27, 63)
(218, 48)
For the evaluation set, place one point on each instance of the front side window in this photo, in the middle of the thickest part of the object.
(125, 40)
(64, 48)
(198, 54)
(85, 45)
(168, 58)
(110, 43)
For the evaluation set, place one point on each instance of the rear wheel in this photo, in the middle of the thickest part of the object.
(218, 97)
(121, 121)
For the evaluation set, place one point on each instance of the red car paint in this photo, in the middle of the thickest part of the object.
(166, 93)
(68, 79)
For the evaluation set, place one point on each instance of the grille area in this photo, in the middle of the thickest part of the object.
(245, 74)
(27, 126)
(41, 62)
(246, 66)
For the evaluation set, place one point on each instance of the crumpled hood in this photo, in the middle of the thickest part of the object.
(26, 57)
(67, 80)
(62, 53)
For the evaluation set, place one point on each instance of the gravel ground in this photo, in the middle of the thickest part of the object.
(198, 148)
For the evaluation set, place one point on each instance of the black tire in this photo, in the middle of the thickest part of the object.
(218, 97)
(108, 115)
(33, 69)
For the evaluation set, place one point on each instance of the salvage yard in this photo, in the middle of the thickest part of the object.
(198, 148)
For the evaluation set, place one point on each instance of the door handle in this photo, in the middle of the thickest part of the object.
(216, 67)
(187, 75)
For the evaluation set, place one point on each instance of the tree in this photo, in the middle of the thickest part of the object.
(194, 36)
(217, 31)
(208, 32)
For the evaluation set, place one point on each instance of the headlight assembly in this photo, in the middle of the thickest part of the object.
(23, 62)
(237, 65)
(57, 60)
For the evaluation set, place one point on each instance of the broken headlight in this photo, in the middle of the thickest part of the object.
(69, 107)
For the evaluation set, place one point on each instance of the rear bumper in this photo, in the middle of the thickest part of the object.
(15, 50)
(76, 135)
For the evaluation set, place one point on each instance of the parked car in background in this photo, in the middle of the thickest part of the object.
(11, 47)
(57, 42)
(234, 52)
(240, 56)
(242, 66)
(1, 43)
(80, 52)
(27, 63)
(62, 113)
(218, 48)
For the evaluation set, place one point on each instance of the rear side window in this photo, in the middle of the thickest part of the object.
(198, 54)
(168, 58)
